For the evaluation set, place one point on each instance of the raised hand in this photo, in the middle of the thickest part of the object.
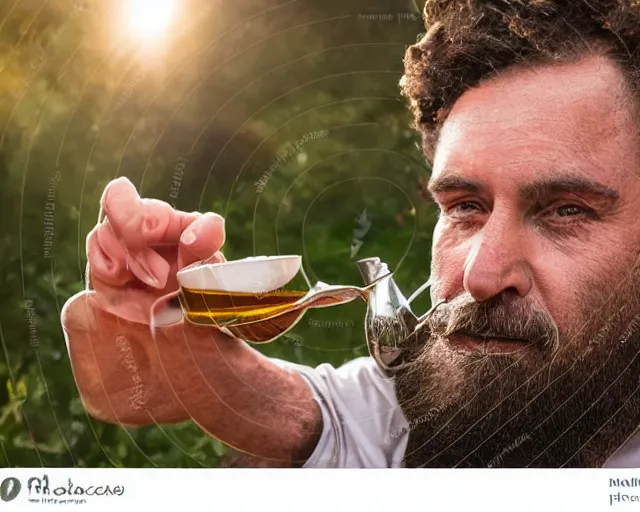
(133, 370)
(133, 257)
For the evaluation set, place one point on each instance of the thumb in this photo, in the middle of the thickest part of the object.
(201, 240)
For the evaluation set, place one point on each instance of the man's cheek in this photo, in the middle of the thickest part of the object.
(572, 313)
(447, 266)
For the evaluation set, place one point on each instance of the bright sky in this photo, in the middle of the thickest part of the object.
(149, 20)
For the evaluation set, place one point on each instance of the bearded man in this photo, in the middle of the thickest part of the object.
(529, 112)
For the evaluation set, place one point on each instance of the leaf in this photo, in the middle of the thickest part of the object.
(54, 447)
(219, 448)
(355, 247)
(12, 395)
(21, 388)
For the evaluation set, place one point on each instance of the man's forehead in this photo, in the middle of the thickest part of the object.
(593, 82)
(539, 117)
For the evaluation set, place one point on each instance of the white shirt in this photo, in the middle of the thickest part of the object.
(363, 424)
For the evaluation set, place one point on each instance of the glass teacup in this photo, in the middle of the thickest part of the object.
(252, 298)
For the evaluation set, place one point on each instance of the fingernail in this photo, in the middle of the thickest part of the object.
(148, 279)
(142, 271)
(222, 221)
(188, 237)
(215, 215)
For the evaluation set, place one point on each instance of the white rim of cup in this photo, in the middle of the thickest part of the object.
(191, 275)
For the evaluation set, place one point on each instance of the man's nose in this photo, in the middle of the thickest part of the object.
(498, 262)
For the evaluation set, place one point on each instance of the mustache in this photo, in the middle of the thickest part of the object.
(498, 317)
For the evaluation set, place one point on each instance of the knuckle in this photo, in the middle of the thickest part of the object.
(92, 245)
(93, 233)
(78, 317)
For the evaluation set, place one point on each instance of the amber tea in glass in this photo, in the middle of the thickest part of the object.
(256, 299)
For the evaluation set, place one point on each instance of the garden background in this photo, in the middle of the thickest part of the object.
(284, 116)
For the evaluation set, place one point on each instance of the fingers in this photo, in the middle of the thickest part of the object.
(162, 225)
(107, 257)
(201, 240)
(112, 263)
(122, 247)
(149, 267)
(123, 207)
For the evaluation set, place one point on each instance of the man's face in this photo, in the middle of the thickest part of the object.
(537, 177)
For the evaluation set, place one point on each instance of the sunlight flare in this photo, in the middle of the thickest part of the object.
(150, 19)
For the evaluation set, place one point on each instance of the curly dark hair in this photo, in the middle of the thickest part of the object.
(471, 41)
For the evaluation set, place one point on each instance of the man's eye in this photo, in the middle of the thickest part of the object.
(463, 208)
(571, 210)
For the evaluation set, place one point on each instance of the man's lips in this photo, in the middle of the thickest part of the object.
(486, 343)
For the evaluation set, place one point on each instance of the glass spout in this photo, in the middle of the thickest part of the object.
(389, 321)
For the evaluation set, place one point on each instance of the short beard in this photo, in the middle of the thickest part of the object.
(565, 401)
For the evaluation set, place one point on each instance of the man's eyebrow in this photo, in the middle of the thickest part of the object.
(567, 184)
(453, 183)
(450, 182)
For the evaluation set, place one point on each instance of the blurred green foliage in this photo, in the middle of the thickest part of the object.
(283, 116)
